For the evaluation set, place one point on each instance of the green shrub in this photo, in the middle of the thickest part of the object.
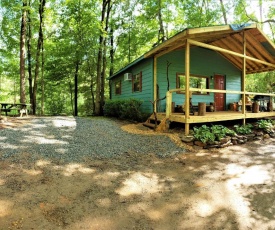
(221, 131)
(243, 129)
(204, 134)
(128, 109)
(207, 134)
(266, 125)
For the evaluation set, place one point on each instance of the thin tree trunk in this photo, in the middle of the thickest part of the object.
(104, 60)
(223, 12)
(112, 53)
(99, 78)
(76, 88)
(29, 39)
(91, 85)
(161, 35)
(22, 53)
(42, 81)
(39, 45)
(92, 94)
(71, 93)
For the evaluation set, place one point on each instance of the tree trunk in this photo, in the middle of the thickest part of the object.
(22, 53)
(92, 94)
(42, 81)
(101, 68)
(29, 39)
(104, 61)
(112, 53)
(223, 12)
(161, 35)
(39, 45)
(76, 88)
(71, 94)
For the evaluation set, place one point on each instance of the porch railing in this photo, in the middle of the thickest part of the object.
(169, 97)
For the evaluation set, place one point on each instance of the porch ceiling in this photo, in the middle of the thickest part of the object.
(258, 45)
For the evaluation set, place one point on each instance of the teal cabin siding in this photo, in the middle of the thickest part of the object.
(203, 62)
(146, 95)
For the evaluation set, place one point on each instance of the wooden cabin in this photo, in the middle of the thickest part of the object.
(199, 76)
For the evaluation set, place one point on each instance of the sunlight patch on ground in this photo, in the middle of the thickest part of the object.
(70, 169)
(257, 174)
(8, 146)
(95, 223)
(204, 208)
(5, 208)
(156, 214)
(43, 163)
(43, 140)
(32, 172)
(140, 184)
(2, 182)
(61, 150)
(68, 122)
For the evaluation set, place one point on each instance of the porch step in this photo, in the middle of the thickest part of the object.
(161, 122)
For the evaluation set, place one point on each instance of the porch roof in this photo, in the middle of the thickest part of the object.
(227, 37)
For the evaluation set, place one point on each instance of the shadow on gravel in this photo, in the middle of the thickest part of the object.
(43, 186)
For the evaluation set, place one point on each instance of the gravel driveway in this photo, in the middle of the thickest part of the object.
(65, 173)
(67, 139)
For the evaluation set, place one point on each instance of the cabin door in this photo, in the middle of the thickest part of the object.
(219, 97)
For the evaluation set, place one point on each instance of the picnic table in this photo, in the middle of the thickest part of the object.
(8, 107)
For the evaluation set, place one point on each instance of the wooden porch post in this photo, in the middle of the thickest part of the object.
(243, 77)
(155, 84)
(187, 96)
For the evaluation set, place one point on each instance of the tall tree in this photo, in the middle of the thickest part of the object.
(38, 52)
(223, 12)
(101, 67)
(22, 52)
(29, 49)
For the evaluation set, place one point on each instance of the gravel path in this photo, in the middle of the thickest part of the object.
(69, 139)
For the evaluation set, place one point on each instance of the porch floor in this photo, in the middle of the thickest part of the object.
(216, 116)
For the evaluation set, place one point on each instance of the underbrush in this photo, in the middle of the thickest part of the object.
(128, 109)
(210, 134)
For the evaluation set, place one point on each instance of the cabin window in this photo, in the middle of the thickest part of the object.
(196, 81)
(118, 88)
(137, 82)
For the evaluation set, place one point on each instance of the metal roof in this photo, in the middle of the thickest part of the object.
(227, 37)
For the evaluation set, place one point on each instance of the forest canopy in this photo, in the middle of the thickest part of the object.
(57, 54)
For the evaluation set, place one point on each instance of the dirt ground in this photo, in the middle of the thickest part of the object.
(231, 188)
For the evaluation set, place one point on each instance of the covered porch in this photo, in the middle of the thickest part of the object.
(247, 48)
(239, 113)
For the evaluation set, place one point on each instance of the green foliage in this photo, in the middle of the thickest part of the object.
(261, 82)
(71, 31)
(210, 134)
(221, 131)
(204, 134)
(266, 125)
(128, 109)
(243, 129)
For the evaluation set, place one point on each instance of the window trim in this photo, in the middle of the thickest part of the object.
(139, 75)
(119, 89)
(193, 75)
